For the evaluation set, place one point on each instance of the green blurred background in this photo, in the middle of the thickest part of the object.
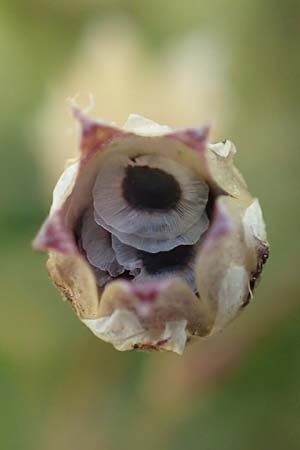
(235, 64)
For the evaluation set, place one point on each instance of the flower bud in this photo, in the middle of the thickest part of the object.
(152, 235)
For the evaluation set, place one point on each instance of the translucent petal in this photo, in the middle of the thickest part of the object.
(126, 256)
(190, 237)
(102, 277)
(113, 209)
(131, 259)
(96, 242)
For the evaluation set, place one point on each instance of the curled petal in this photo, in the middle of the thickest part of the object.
(96, 241)
(226, 263)
(158, 316)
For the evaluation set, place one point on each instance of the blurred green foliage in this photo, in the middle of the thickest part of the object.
(62, 388)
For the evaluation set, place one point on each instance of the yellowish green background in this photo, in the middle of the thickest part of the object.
(234, 64)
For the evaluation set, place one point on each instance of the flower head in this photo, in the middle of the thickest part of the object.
(152, 234)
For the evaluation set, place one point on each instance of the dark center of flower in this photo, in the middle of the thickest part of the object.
(147, 187)
(175, 259)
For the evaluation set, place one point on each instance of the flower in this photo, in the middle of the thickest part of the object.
(152, 235)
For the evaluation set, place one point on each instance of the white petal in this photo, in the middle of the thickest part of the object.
(223, 148)
(64, 186)
(124, 330)
(231, 295)
(96, 241)
(145, 127)
(254, 224)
